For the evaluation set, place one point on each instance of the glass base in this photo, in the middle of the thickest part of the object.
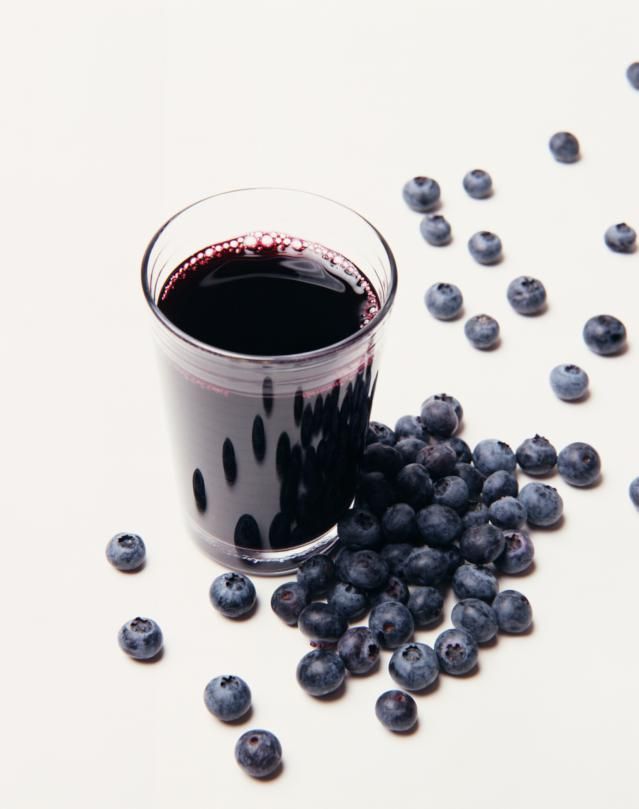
(261, 562)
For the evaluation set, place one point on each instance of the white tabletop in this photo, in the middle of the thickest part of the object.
(117, 114)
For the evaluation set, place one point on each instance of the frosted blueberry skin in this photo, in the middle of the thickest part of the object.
(508, 512)
(426, 605)
(396, 710)
(543, 504)
(536, 456)
(394, 590)
(445, 397)
(233, 594)
(439, 418)
(526, 295)
(398, 523)
(518, 553)
(409, 427)
(414, 486)
(456, 651)
(421, 194)
(472, 477)
(579, 464)
(316, 575)
(288, 601)
(633, 492)
(365, 569)
(478, 184)
(481, 544)
(380, 433)
(632, 74)
(438, 525)
(621, 238)
(408, 449)
(414, 666)
(141, 638)
(436, 230)
(497, 485)
(564, 147)
(439, 460)
(492, 455)
(320, 672)
(126, 552)
(358, 650)
(485, 247)
(391, 624)
(605, 335)
(477, 514)
(482, 332)
(452, 492)
(322, 622)
(426, 566)
(227, 697)
(475, 617)
(348, 601)
(444, 301)
(258, 752)
(359, 529)
(569, 382)
(472, 581)
(513, 610)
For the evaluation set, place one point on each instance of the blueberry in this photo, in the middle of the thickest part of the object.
(376, 491)
(398, 523)
(359, 529)
(395, 555)
(453, 558)
(444, 301)
(485, 247)
(396, 710)
(258, 752)
(227, 697)
(126, 551)
(499, 484)
(621, 238)
(439, 419)
(445, 397)
(451, 491)
(391, 624)
(518, 553)
(366, 570)
(435, 229)
(320, 672)
(380, 433)
(477, 515)
(491, 455)
(421, 194)
(632, 74)
(526, 295)
(461, 448)
(471, 581)
(605, 335)
(426, 566)
(140, 638)
(564, 147)
(456, 651)
(316, 574)
(477, 618)
(288, 600)
(322, 622)
(507, 512)
(569, 382)
(425, 605)
(408, 449)
(348, 601)
(536, 456)
(478, 184)
(393, 590)
(438, 524)
(579, 464)
(414, 666)
(342, 560)
(381, 458)
(358, 650)
(439, 460)
(414, 486)
(543, 503)
(233, 594)
(482, 331)
(481, 543)
(513, 610)
(409, 427)
(472, 477)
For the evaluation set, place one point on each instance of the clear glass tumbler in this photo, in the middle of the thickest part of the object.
(266, 447)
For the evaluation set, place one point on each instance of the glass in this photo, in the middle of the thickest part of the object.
(266, 447)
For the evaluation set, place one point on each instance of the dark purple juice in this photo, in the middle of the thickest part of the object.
(274, 470)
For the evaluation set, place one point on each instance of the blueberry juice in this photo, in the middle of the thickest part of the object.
(269, 361)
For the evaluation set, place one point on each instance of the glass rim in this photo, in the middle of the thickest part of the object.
(278, 359)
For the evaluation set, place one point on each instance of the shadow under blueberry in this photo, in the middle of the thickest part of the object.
(135, 569)
(430, 689)
(467, 676)
(489, 349)
(549, 529)
(151, 660)
(334, 695)
(240, 719)
(523, 573)
(247, 615)
(272, 776)
(408, 732)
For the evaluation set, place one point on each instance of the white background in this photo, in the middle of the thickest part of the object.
(116, 114)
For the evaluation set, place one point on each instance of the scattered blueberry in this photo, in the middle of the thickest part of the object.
(409, 427)
(569, 382)
(632, 74)
(499, 484)
(605, 335)
(258, 752)
(621, 238)
(477, 515)
(513, 610)
(233, 594)
(490, 455)
(436, 229)
(320, 672)
(358, 649)
(453, 558)
(394, 590)
(536, 456)
(381, 458)
(485, 247)
(342, 560)
(481, 543)
(126, 551)
(408, 449)
(543, 503)
(439, 418)
(396, 710)
(426, 605)
(564, 147)
(421, 194)
(456, 651)
(482, 331)
(391, 624)
(518, 553)
(348, 601)
(395, 555)
(366, 570)
(461, 448)
(316, 574)
(398, 523)
(633, 491)
(426, 566)
(471, 581)
(478, 184)
(380, 433)
(579, 464)
(288, 600)
(439, 460)
(140, 638)
(414, 486)
(322, 622)
(507, 512)
(414, 666)
(376, 491)
(475, 617)
(227, 697)
(526, 295)
(445, 397)
(438, 525)
(444, 301)
(472, 477)
(359, 529)
(452, 492)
